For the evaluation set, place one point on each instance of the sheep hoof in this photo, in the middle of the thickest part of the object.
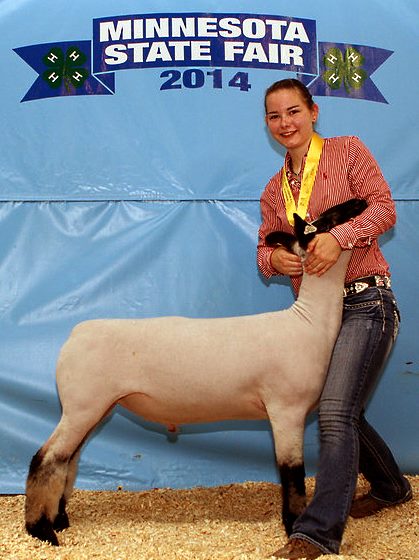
(61, 522)
(43, 531)
(288, 521)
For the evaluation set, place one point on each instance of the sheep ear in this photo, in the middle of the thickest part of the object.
(281, 238)
(304, 231)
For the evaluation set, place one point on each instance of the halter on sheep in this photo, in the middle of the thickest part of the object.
(175, 370)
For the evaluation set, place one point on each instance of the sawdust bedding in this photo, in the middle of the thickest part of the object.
(234, 522)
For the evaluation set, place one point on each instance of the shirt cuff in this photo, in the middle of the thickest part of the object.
(264, 262)
(345, 235)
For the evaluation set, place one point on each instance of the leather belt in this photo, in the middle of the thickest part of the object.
(361, 284)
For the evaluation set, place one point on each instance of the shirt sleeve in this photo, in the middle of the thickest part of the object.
(270, 222)
(366, 182)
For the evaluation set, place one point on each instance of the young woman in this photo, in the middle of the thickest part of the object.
(317, 174)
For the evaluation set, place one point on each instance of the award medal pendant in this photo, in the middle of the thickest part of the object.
(309, 229)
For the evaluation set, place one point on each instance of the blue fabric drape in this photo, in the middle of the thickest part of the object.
(146, 203)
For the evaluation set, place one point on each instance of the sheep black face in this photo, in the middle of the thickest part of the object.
(305, 231)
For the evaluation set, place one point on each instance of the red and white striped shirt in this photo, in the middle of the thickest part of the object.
(347, 169)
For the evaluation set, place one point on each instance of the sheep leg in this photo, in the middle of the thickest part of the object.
(61, 521)
(288, 431)
(51, 477)
(72, 474)
(293, 493)
(44, 489)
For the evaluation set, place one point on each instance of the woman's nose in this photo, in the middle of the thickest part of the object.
(284, 120)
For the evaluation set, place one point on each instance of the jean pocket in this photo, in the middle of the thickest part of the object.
(366, 305)
(397, 320)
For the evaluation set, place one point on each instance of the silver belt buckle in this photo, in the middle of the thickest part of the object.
(355, 288)
(360, 287)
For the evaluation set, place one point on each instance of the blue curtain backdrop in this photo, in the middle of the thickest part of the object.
(137, 195)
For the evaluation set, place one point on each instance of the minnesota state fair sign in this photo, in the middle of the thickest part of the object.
(184, 44)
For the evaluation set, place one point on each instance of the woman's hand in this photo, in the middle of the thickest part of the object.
(286, 263)
(323, 251)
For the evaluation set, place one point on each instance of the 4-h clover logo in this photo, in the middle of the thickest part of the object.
(344, 69)
(66, 68)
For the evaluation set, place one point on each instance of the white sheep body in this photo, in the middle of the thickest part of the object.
(175, 370)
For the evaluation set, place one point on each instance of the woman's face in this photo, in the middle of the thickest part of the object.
(289, 119)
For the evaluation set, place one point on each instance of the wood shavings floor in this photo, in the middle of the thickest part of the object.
(234, 522)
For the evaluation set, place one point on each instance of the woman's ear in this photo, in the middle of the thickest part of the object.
(315, 112)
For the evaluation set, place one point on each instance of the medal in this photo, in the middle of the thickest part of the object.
(309, 176)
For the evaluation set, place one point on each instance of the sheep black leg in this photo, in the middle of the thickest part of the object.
(42, 530)
(44, 506)
(293, 494)
(61, 521)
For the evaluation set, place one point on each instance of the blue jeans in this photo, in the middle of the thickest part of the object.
(348, 444)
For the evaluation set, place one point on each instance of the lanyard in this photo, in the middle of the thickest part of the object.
(309, 175)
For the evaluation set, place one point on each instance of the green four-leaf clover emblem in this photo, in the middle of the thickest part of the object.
(344, 69)
(67, 68)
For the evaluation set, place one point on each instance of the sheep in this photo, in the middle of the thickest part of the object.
(176, 370)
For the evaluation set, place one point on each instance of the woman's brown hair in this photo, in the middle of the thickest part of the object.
(291, 83)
